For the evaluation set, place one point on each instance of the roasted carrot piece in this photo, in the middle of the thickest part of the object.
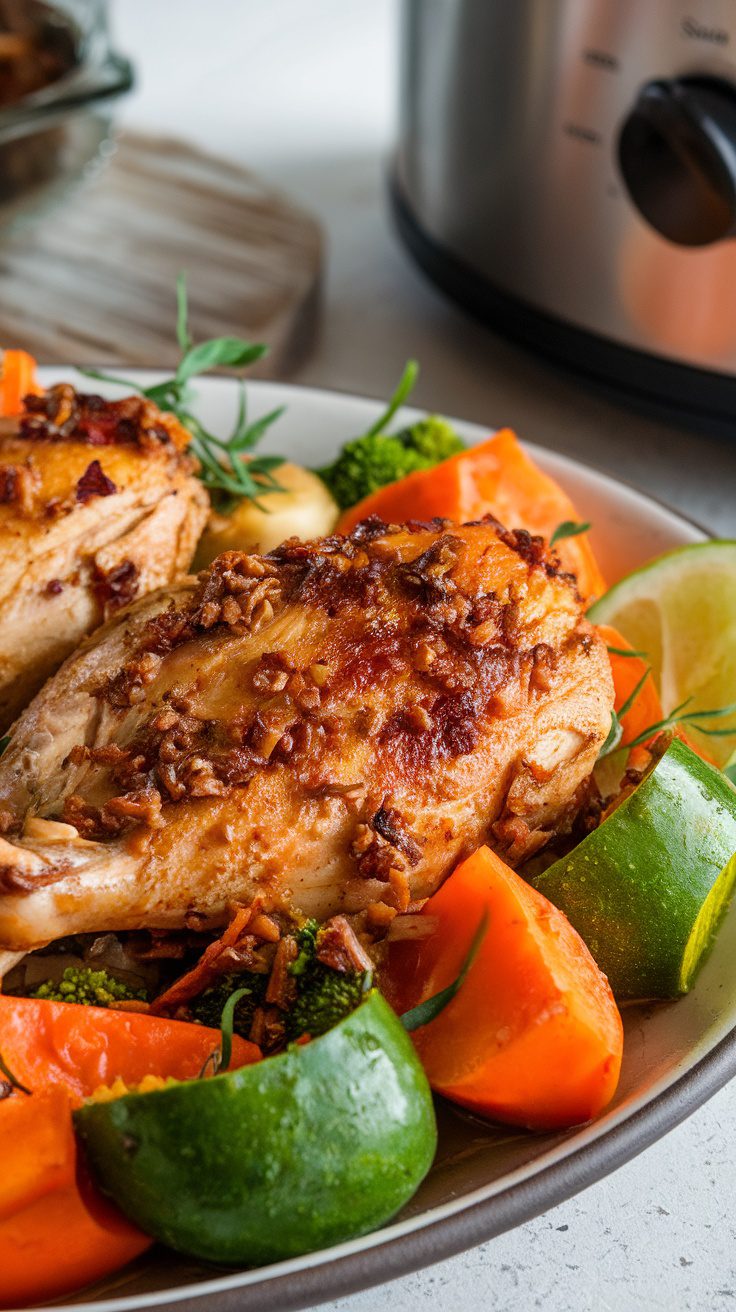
(56, 1233)
(37, 1148)
(59, 1043)
(17, 380)
(496, 477)
(534, 1036)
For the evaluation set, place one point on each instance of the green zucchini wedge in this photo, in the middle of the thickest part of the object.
(314, 1146)
(647, 889)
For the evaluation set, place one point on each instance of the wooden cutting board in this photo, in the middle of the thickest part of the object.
(93, 281)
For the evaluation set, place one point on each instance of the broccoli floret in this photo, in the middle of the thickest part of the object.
(207, 1008)
(306, 941)
(371, 462)
(433, 439)
(92, 988)
(324, 996)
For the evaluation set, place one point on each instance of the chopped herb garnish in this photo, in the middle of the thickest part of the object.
(220, 1059)
(569, 528)
(627, 651)
(10, 1080)
(431, 1008)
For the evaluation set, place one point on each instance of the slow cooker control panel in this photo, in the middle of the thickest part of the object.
(677, 153)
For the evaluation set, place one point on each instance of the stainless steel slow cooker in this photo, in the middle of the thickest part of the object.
(566, 169)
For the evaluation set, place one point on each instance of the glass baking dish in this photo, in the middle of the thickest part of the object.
(59, 77)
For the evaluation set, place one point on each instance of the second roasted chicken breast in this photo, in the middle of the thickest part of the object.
(99, 504)
(332, 725)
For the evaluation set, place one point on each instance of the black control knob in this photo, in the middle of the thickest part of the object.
(677, 152)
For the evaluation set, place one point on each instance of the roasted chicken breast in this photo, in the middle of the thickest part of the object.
(99, 504)
(332, 725)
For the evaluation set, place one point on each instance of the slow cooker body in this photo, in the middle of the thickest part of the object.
(566, 169)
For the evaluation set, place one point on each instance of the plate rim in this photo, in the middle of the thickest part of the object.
(480, 1222)
(365, 398)
(331, 1276)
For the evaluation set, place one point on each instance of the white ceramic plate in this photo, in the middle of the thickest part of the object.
(484, 1180)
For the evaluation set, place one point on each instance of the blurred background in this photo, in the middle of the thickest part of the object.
(302, 248)
(306, 97)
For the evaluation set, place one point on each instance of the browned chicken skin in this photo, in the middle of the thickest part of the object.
(332, 725)
(98, 505)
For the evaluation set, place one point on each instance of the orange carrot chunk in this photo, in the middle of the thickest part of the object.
(496, 477)
(533, 1037)
(17, 380)
(80, 1048)
(56, 1233)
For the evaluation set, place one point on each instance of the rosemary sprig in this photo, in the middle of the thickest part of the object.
(569, 528)
(627, 651)
(403, 390)
(228, 476)
(616, 731)
(430, 1009)
(677, 716)
(10, 1082)
(219, 1060)
(692, 717)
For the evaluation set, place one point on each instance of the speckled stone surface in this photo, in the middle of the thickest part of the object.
(659, 1235)
(305, 94)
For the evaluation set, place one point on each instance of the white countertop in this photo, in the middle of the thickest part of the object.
(304, 93)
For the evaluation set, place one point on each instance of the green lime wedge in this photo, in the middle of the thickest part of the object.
(681, 610)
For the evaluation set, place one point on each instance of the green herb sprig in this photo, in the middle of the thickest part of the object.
(229, 478)
(404, 389)
(677, 716)
(627, 651)
(431, 1008)
(569, 528)
(9, 1082)
(220, 1059)
(616, 731)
